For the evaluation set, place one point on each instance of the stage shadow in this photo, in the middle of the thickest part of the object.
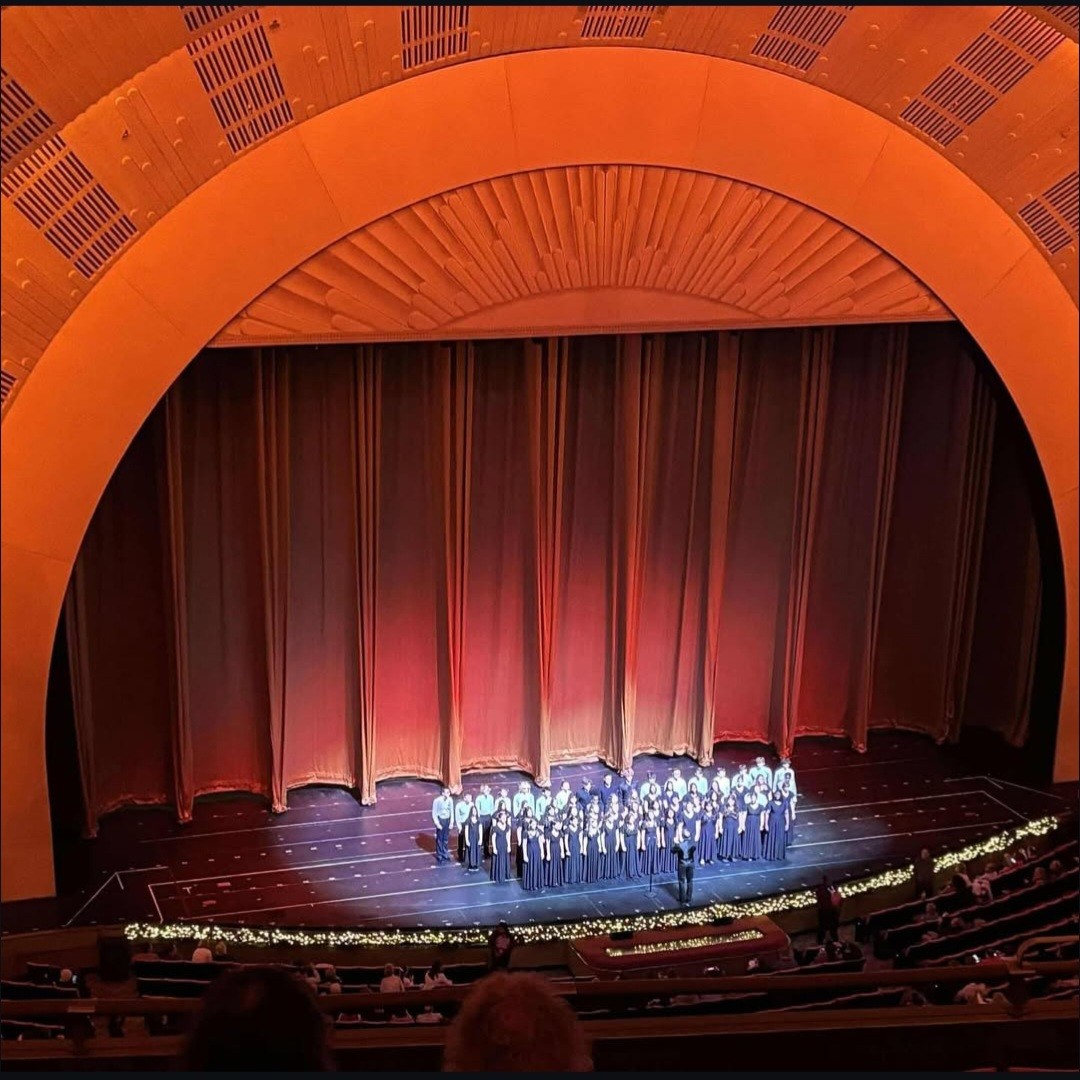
(426, 842)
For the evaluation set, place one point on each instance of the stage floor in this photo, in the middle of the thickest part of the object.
(329, 862)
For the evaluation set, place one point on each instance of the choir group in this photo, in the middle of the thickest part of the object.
(619, 830)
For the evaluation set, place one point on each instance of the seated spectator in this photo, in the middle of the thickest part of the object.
(334, 987)
(515, 1023)
(202, 953)
(979, 994)
(961, 885)
(145, 953)
(221, 953)
(1039, 876)
(913, 997)
(831, 953)
(929, 914)
(850, 950)
(167, 950)
(435, 976)
(68, 981)
(392, 982)
(1055, 870)
(258, 1019)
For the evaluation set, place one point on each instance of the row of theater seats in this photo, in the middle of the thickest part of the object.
(876, 925)
(891, 942)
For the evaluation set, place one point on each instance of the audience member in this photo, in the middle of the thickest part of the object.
(924, 875)
(258, 1019)
(392, 982)
(501, 945)
(145, 953)
(515, 1023)
(435, 977)
(221, 953)
(202, 953)
(828, 900)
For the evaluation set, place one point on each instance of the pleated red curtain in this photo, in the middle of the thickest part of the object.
(418, 560)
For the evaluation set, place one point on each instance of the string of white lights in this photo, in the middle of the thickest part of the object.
(536, 933)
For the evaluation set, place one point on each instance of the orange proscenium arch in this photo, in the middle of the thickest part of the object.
(171, 292)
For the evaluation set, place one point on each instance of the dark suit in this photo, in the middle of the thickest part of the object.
(685, 851)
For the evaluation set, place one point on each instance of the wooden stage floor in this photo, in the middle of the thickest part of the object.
(328, 862)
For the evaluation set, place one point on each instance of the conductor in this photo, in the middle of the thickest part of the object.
(685, 849)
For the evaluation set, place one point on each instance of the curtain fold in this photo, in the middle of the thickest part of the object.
(972, 520)
(416, 560)
(367, 462)
(817, 357)
(449, 380)
(638, 403)
(176, 592)
(723, 441)
(547, 363)
(77, 624)
(272, 418)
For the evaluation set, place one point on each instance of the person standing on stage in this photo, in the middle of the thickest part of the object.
(626, 785)
(786, 772)
(543, 801)
(563, 796)
(751, 832)
(631, 843)
(532, 861)
(678, 783)
(442, 813)
(485, 808)
(742, 779)
(789, 803)
(575, 852)
(728, 849)
(707, 832)
(523, 798)
(685, 851)
(760, 771)
(653, 840)
(775, 845)
(462, 811)
(594, 850)
(697, 783)
(502, 802)
(585, 792)
(608, 791)
(500, 846)
(721, 785)
(473, 841)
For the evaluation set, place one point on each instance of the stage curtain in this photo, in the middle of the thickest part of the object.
(272, 414)
(341, 564)
(850, 458)
(171, 489)
(546, 367)
(367, 456)
(1009, 598)
(937, 518)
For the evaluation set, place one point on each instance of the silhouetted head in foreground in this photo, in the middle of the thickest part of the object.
(516, 1023)
(258, 1020)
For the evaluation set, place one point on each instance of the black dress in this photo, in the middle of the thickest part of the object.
(592, 857)
(500, 854)
(632, 863)
(532, 866)
(612, 861)
(751, 837)
(775, 846)
(707, 839)
(574, 858)
(729, 836)
(474, 845)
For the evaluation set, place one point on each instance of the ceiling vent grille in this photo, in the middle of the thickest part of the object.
(59, 196)
(7, 384)
(985, 70)
(609, 22)
(433, 32)
(1069, 14)
(236, 67)
(24, 124)
(199, 16)
(798, 32)
(1054, 217)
